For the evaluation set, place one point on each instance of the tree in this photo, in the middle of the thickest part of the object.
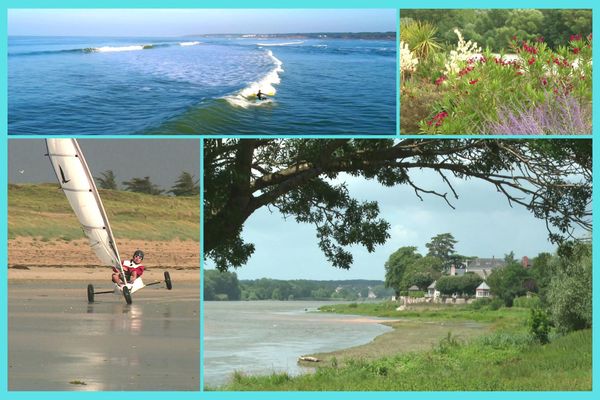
(186, 185)
(107, 180)
(551, 178)
(397, 264)
(442, 247)
(569, 294)
(223, 285)
(422, 272)
(509, 282)
(144, 185)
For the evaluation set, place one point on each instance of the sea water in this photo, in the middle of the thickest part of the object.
(204, 85)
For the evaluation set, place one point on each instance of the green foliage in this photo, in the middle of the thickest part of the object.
(142, 185)
(300, 289)
(186, 185)
(396, 265)
(539, 325)
(107, 180)
(495, 27)
(462, 285)
(442, 247)
(569, 294)
(509, 282)
(420, 37)
(221, 285)
(527, 302)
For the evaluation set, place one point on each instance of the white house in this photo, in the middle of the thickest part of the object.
(432, 291)
(482, 291)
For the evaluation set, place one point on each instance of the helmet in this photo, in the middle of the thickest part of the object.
(138, 253)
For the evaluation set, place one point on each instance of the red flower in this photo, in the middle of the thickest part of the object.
(519, 72)
(575, 38)
(576, 50)
(474, 81)
(438, 118)
(544, 81)
(531, 60)
(440, 80)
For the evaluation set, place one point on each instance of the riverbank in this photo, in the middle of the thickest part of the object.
(502, 357)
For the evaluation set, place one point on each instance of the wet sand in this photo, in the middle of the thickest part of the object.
(57, 341)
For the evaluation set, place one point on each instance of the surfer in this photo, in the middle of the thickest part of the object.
(260, 95)
(133, 268)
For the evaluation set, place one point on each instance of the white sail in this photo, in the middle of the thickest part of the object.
(78, 185)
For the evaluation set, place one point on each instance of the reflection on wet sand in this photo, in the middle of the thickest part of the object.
(57, 341)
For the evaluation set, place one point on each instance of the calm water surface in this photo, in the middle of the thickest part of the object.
(260, 337)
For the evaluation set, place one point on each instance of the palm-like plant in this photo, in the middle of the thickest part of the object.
(420, 37)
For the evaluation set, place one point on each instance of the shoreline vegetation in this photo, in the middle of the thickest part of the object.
(45, 240)
(441, 348)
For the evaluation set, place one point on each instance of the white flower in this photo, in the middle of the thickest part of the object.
(464, 52)
(408, 62)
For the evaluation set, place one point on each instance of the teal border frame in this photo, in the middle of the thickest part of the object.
(256, 4)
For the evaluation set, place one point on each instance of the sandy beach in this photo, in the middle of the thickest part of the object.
(59, 341)
(29, 258)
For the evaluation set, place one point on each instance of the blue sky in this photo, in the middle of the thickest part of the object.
(483, 223)
(176, 22)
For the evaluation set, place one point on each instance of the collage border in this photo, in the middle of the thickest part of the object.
(257, 4)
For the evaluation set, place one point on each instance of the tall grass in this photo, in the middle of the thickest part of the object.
(499, 362)
(43, 211)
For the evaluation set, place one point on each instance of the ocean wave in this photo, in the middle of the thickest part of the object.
(111, 49)
(246, 97)
(189, 43)
(279, 44)
(102, 49)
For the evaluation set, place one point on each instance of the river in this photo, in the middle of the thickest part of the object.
(261, 337)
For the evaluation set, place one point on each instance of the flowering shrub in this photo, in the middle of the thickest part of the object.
(561, 114)
(464, 51)
(408, 63)
(477, 86)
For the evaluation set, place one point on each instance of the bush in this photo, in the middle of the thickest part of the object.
(496, 304)
(539, 325)
(527, 302)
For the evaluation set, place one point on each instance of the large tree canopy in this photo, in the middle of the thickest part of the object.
(551, 178)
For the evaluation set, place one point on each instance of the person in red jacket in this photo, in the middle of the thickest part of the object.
(132, 268)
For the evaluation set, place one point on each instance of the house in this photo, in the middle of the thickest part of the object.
(482, 291)
(432, 291)
(484, 266)
(413, 290)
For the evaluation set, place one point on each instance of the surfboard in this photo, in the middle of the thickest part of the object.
(77, 183)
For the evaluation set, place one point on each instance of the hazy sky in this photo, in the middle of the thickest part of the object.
(176, 22)
(161, 160)
(483, 223)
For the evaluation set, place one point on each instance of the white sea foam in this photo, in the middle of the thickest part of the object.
(244, 97)
(279, 44)
(189, 43)
(110, 49)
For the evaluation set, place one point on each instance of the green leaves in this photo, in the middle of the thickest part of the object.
(302, 178)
